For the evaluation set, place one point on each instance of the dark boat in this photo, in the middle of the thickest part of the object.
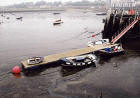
(57, 22)
(56, 13)
(117, 50)
(35, 60)
(8, 18)
(104, 13)
(79, 61)
(104, 20)
(19, 18)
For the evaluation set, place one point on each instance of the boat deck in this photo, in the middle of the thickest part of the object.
(76, 52)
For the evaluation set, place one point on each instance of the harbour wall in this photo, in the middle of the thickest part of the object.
(118, 22)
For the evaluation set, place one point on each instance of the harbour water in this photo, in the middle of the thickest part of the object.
(35, 35)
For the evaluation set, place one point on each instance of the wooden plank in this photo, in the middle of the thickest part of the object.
(124, 31)
(55, 57)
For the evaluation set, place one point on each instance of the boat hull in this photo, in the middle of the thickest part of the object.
(110, 54)
(57, 23)
(78, 65)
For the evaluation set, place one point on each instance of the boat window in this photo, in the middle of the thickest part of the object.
(32, 60)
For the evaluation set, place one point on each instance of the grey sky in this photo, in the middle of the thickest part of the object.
(8, 2)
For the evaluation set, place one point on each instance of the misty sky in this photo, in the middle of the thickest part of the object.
(8, 2)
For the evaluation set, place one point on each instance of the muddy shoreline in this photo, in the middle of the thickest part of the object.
(35, 35)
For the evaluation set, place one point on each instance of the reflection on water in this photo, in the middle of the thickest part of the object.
(17, 76)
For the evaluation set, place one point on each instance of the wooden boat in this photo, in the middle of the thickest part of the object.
(34, 60)
(79, 61)
(111, 51)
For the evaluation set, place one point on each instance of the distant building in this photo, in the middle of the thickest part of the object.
(122, 3)
(138, 4)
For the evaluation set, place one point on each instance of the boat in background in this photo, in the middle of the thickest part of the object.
(57, 22)
(79, 61)
(19, 18)
(103, 13)
(56, 13)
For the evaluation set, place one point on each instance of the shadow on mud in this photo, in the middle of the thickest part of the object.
(64, 71)
(37, 70)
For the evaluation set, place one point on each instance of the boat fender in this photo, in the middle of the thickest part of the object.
(78, 64)
(89, 62)
(74, 63)
(83, 63)
(67, 63)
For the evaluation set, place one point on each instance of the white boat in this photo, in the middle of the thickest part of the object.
(78, 61)
(35, 60)
(99, 42)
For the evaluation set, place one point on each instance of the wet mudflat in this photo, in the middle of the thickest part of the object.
(35, 35)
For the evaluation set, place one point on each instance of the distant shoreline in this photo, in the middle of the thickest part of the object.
(30, 10)
(53, 9)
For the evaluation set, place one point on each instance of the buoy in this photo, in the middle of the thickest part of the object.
(93, 35)
(16, 70)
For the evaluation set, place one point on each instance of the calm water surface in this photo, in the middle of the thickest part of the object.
(35, 35)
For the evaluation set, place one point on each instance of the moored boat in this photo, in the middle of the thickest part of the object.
(57, 22)
(99, 42)
(35, 60)
(19, 18)
(55, 13)
(111, 51)
(79, 61)
(103, 13)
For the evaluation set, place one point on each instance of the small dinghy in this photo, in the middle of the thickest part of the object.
(56, 13)
(78, 61)
(19, 18)
(35, 60)
(111, 51)
(103, 13)
(99, 42)
(57, 22)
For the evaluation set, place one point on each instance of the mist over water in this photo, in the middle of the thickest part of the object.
(35, 35)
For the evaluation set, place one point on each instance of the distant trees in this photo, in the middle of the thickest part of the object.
(86, 3)
(44, 3)
(39, 3)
